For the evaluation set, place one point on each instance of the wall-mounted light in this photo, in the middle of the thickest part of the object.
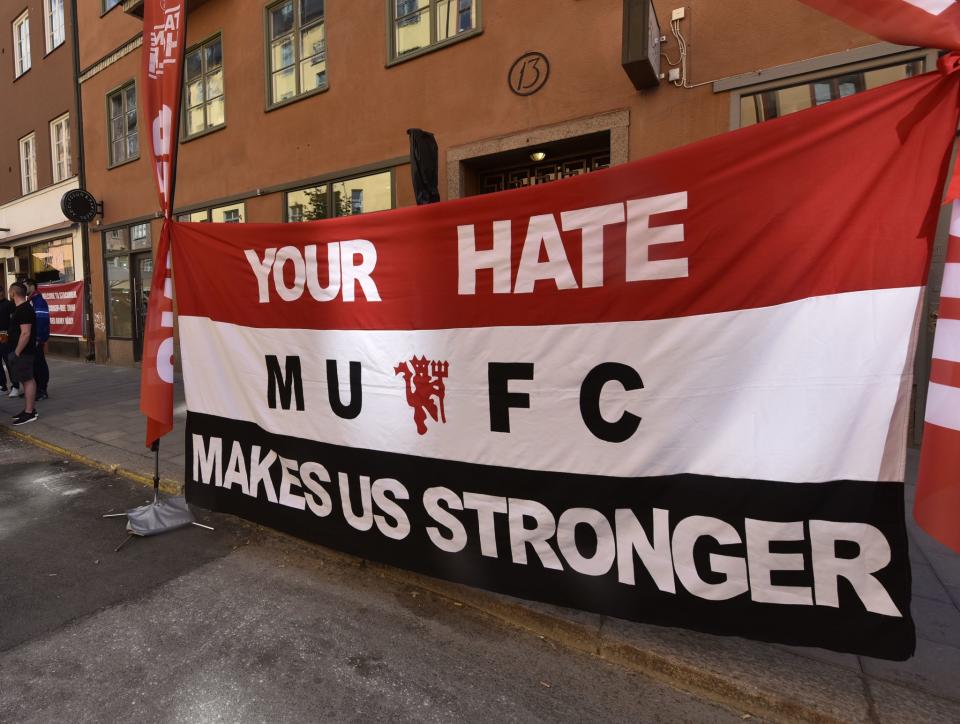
(538, 155)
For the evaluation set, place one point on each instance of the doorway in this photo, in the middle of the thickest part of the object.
(142, 273)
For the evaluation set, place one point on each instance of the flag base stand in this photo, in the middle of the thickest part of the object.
(161, 515)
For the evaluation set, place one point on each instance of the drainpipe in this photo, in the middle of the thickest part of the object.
(82, 179)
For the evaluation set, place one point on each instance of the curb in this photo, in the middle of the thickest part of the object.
(675, 672)
(167, 486)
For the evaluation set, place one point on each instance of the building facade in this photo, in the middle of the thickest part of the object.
(298, 109)
(39, 148)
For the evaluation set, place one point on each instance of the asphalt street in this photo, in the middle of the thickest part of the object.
(244, 625)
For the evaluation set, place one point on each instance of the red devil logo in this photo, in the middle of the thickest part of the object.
(424, 383)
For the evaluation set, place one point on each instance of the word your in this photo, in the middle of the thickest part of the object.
(349, 264)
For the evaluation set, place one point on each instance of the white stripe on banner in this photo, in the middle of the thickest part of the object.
(951, 280)
(943, 406)
(800, 392)
(946, 342)
(955, 219)
(934, 7)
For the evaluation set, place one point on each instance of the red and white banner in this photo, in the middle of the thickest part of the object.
(66, 308)
(925, 23)
(674, 391)
(164, 35)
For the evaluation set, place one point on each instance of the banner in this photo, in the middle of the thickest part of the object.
(675, 391)
(924, 23)
(164, 35)
(66, 308)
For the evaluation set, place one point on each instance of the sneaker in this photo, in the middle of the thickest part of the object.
(42, 396)
(14, 417)
(15, 392)
(24, 417)
(3, 388)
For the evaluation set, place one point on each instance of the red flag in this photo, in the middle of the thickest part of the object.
(164, 32)
(927, 23)
(937, 506)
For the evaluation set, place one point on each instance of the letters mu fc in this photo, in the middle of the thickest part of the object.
(351, 265)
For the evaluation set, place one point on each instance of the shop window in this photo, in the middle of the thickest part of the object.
(347, 197)
(419, 25)
(123, 132)
(28, 164)
(297, 57)
(776, 102)
(60, 148)
(21, 45)
(47, 261)
(229, 214)
(53, 19)
(203, 91)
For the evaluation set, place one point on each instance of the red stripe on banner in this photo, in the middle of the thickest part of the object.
(943, 372)
(755, 218)
(949, 308)
(937, 505)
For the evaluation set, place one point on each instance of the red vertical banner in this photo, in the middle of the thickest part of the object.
(164, 34)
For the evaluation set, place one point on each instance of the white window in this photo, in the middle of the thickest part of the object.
(60, 148)
(53, 18)
(28, 164)
(21, 44)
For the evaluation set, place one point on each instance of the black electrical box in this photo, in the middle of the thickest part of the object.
(641, 43)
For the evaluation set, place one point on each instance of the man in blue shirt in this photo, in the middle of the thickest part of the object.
(41, 371)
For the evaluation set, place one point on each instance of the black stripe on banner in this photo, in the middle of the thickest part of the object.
(821, 564)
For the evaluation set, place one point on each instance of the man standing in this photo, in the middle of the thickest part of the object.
(41, 372)
(6, 309)
(23, 331)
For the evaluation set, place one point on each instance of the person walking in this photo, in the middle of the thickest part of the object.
(41, 371)
(6, 309)
(23, 338)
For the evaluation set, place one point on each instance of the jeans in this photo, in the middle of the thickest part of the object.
(5, 349)
(41, 372)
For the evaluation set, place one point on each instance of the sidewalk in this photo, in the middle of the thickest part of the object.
(93, 412)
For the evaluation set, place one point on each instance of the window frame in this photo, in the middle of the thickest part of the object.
(30, 138)
(394, 59)
(208, 212)
(122, 89)
(19, 69)
(330, 182)
(104, 9)
(64, 121)
(49, 32)
(297, 31)
(868, 58)
(185, 135)
(130, 253)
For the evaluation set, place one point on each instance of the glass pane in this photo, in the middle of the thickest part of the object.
(313, 42)
(132, 148)
(215, 112)
(116, 128)
(281, 19)
(791, 100)
(284, 85)
(61, 255)
(847, 88)
(116, 151)
(116, 105)
(115, 240)
(140, 236)
(131, 121)
(233, 214)
(197, 217)
(132, 98)
(413, 32)
(215, 84)
(307, 204)
(362, 195)
(119, 299)
(451, 20)
(748, 111)
(195, 94)
(194, 65)
(282, 54)
(214, 55)
(195, 121)
(405, 7)
(313, 73)
(310, 10)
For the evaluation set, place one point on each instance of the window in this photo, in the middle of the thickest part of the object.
(298, 49)
(419, 24)
(108, 4)
(203, 93)
(774, 103)
(48, 261)
(28, 164)
(60, 148)
(124, 139)
(230, 214)
(341, 198)
(117, 245)
(21, 44)
(53, 19)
